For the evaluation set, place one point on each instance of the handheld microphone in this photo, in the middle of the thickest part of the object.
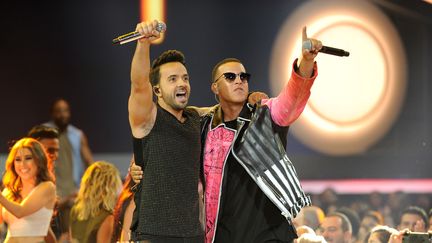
(326, 49)
(126, 38)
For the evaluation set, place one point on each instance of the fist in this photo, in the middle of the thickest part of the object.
(149, 31)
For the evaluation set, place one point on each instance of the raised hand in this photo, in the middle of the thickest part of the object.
(149, 31)
(310, 47)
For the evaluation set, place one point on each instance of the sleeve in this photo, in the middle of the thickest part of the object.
(290, 103)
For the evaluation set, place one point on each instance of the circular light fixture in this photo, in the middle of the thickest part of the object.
(355, 99)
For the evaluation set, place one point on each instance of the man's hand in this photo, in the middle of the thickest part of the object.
(397, 237)
(308, 55)
(148, 30)
(256, 96)
(316, 45)
(136, 173)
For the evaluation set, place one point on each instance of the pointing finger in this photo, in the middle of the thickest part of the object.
(304, 34)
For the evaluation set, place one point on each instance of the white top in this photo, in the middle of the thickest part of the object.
(35, 224)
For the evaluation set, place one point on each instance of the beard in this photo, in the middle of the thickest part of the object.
(176, 105)
(61, 124)
(176, 102)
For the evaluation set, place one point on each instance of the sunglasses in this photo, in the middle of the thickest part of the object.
(230, 77)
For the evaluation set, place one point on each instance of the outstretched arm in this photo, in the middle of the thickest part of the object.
(42, 196)
(142, 110)
(290, 103)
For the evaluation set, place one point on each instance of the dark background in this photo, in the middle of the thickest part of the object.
(55, 49)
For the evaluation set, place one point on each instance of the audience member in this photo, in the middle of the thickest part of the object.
(311, 238)
(353, 218)
(380, 234)
(414, 219)
(310, 216)
(396, 202)
(336, 228)
(368, 222)
(328, 200)
(91, 218)
(430, 219)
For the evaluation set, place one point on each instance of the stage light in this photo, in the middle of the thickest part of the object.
(355, 99)
(151, 10)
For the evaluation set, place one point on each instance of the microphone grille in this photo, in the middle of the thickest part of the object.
(307, 44)
(161, 27)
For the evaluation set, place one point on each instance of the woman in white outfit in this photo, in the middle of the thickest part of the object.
(28, 198)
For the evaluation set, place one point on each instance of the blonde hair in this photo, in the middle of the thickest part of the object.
(12, 181)
(311, 238)
(99, 186)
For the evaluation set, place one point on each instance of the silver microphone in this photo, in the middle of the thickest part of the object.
(126, 38)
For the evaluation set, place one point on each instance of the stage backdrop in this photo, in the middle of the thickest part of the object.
(55, 49)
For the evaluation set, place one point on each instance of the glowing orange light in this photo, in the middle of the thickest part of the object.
(151, 10)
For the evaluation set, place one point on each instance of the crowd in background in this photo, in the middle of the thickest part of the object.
(364, 218)
(42, 201)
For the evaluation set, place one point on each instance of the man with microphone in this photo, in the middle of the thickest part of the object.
(251, 189)
(167, 145)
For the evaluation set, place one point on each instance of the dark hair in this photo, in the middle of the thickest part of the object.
(165, 57)
(377, 216)
(226, 60)
(40, 132)
(54, 103)
(417, 211)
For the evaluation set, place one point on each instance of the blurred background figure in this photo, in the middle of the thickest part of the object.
(430, 219)
(413, 218)
(328, 200)
(28, 199)
(377, 202)
(353, 218)
(336, 228)
(49, 138)
(310, 216)
(311, 238)
(73, 158)
(123, 212)
(380, 234)
(301, 230)
(397, 201)
(91, 218)
(368, 222)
